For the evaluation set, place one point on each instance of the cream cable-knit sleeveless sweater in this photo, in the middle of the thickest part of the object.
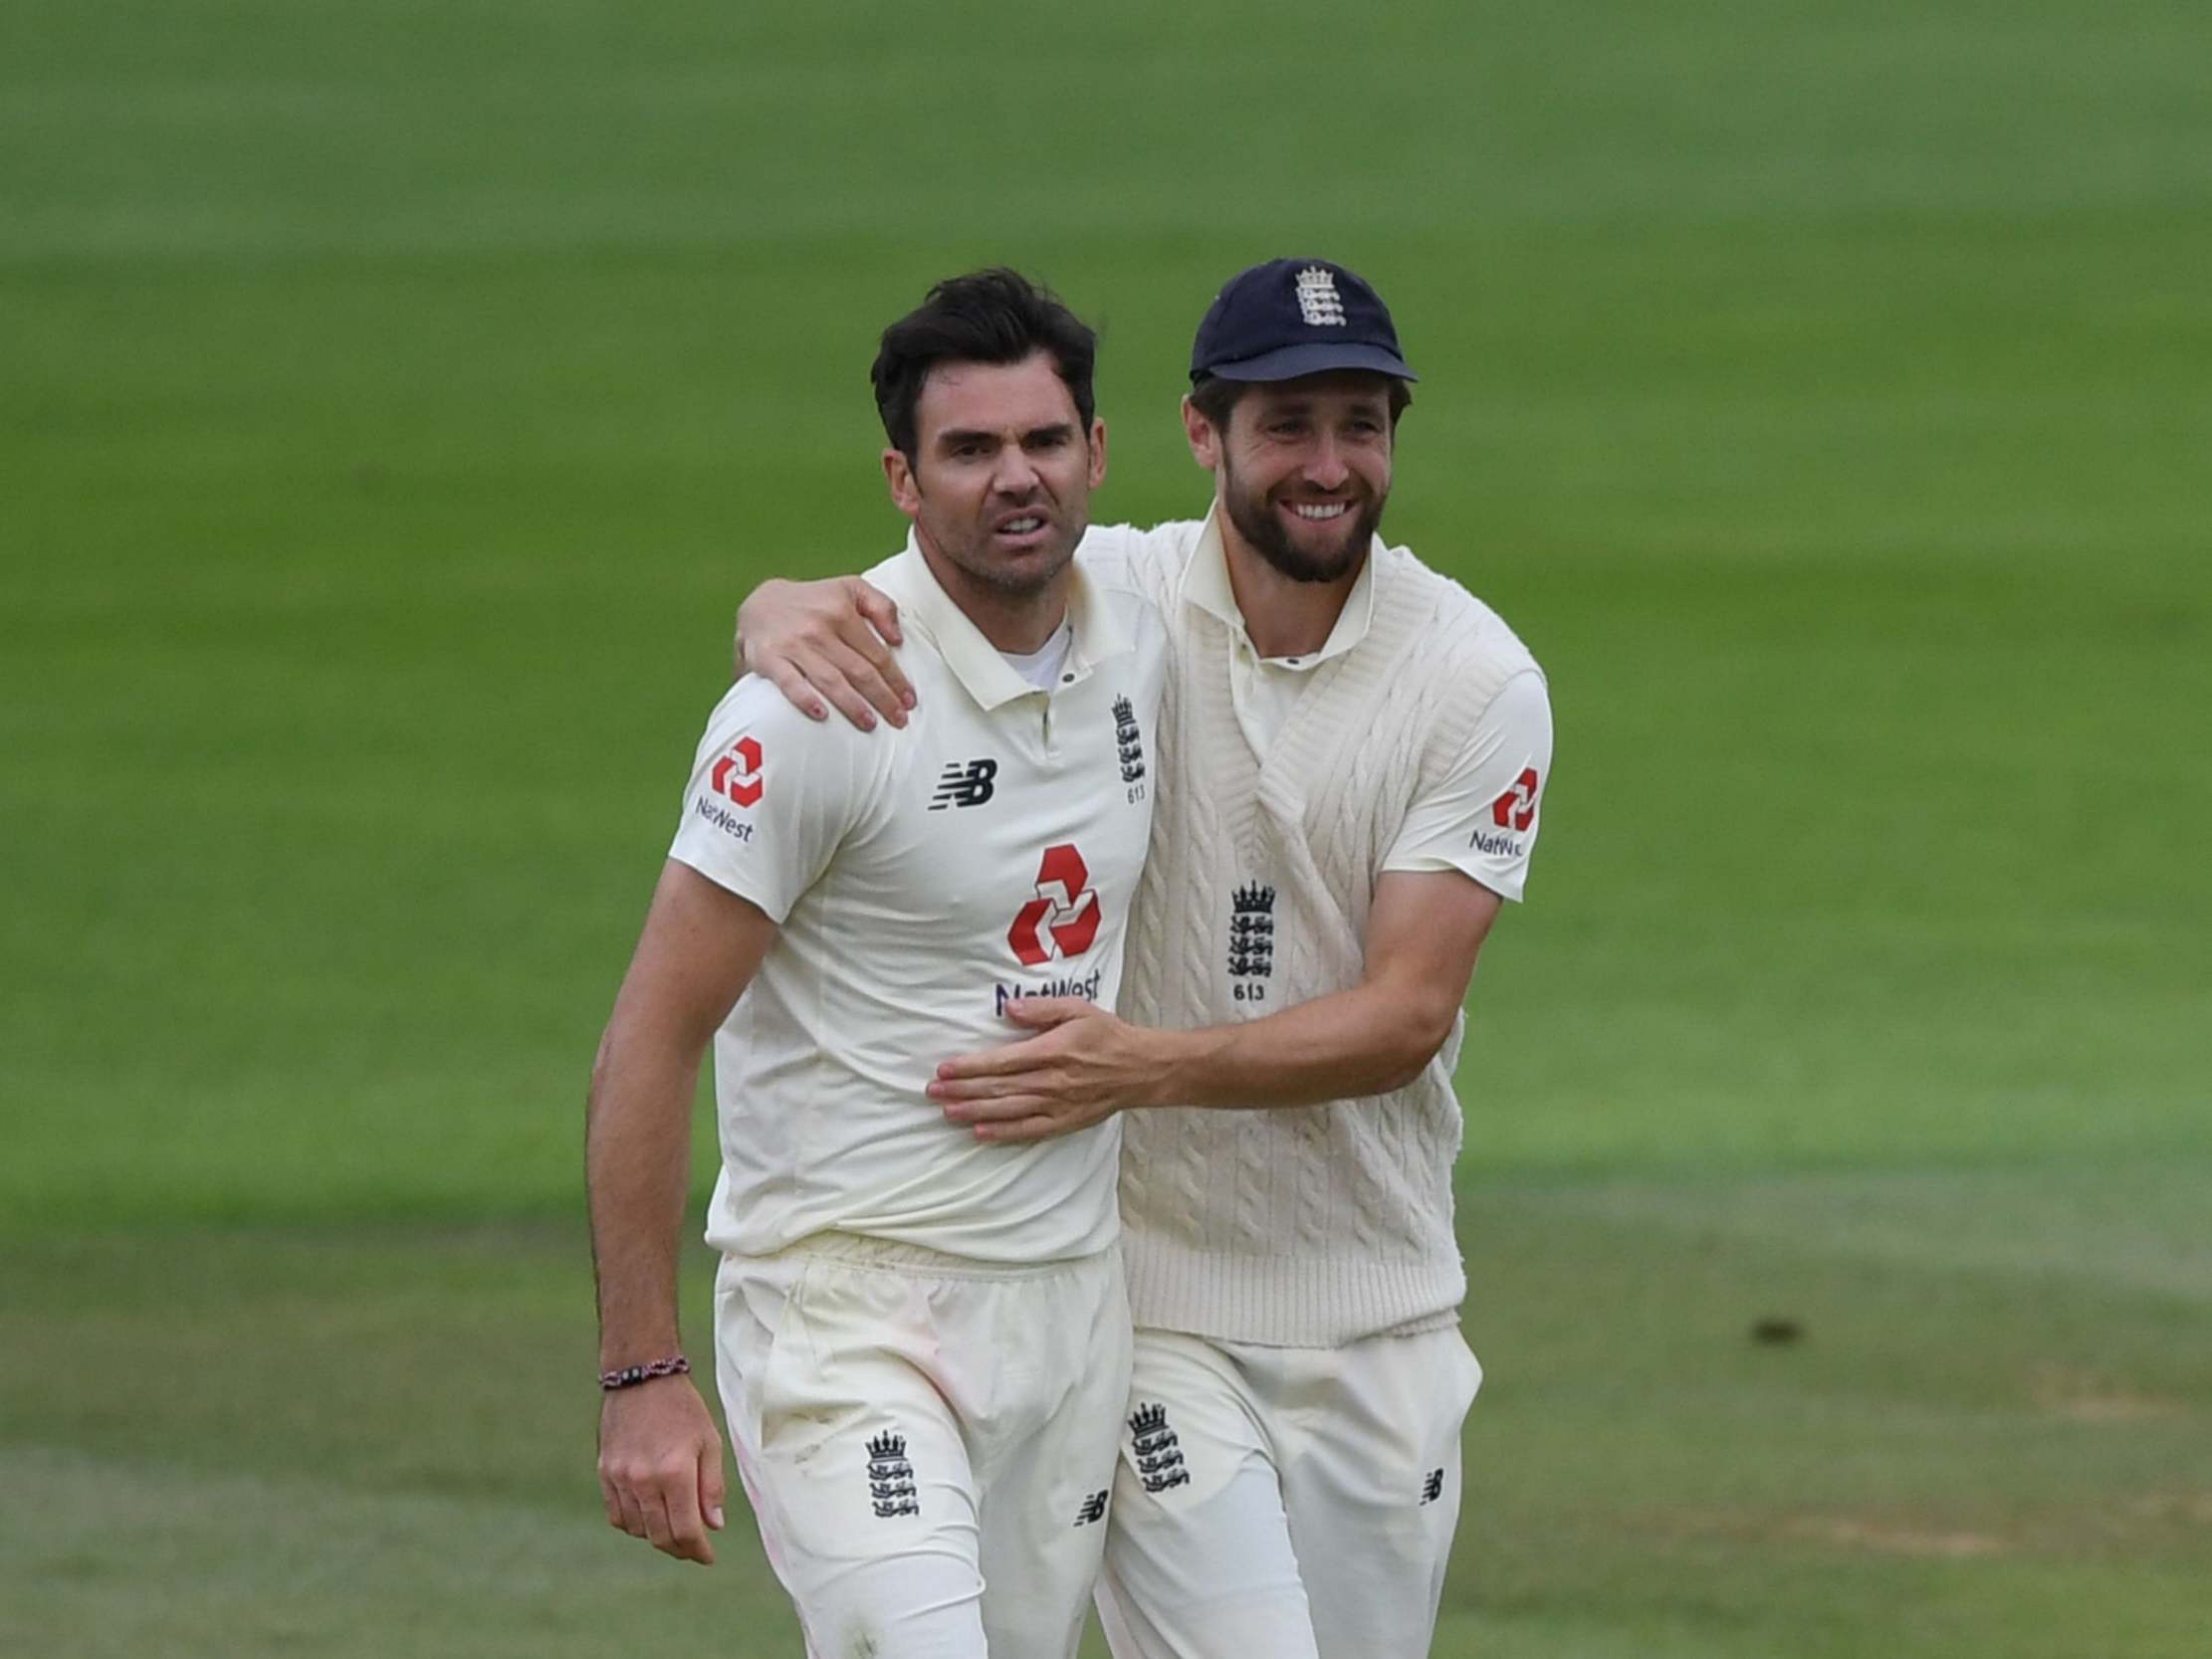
(1300, 1227)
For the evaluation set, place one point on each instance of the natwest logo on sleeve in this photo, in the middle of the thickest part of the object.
(1062, 920)
(736, 776)
(1516, 808)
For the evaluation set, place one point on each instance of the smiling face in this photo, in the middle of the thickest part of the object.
(1303, 469)
(1000, 482)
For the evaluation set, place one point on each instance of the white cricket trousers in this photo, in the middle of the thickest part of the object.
(1281, 1503)
(928, 1442)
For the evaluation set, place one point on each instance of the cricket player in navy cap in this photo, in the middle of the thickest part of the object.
(1349, 774)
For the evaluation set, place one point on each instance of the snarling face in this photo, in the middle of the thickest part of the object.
(1000, 481)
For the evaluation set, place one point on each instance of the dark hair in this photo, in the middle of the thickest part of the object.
(1217, 398)
(986, 316)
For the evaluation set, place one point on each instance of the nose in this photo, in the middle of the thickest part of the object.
(1325, 467)
(1017, 473)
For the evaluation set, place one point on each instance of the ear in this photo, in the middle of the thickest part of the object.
(906, 489)
(1098, 453)
(1206, 443)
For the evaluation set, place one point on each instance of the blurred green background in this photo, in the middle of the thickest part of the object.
(395, 401)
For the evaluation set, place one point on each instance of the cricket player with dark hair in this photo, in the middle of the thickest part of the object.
(1351, 765)
(922, 1336)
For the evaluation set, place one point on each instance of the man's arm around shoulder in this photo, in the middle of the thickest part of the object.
(828, 643)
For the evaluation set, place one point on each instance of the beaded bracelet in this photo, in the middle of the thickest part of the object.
(629, 1376)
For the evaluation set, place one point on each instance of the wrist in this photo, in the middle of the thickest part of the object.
(1173, 1073)
(643, 1371)
(621, 1349)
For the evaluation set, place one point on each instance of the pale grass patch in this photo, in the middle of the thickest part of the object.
(1884, 1534)
(2189, 1508)
(1892, 1539)
(2088, 1397)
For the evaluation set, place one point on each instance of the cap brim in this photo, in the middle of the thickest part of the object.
(1292, 362)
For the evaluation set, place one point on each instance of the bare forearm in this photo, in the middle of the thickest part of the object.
(1365, 1041)
(637, 1147)
(1081, 1064)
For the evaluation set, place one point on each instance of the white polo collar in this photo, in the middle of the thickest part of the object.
(1206, 584)
(977, 664)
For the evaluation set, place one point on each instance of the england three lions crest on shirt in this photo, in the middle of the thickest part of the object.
(1252, 940)
(1129, 736)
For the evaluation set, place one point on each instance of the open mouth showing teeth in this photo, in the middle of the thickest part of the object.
(1020, 526)
(1320, 512)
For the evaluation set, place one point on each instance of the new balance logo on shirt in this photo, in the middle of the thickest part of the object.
(1091, 1508)
(965, 785)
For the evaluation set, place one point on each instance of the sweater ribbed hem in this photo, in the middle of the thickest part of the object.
(1287, 1300)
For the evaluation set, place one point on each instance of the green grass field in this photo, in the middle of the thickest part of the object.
(395, 400)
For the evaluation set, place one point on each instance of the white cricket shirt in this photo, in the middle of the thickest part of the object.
(1479, 819)
(923, 879)
(1419, 739)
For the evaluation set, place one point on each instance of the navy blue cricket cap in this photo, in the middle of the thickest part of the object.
(1295, 316)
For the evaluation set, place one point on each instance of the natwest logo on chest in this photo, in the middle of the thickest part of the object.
(1062, 920)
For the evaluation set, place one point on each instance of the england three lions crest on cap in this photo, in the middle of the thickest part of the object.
(1291, 317)
(1318, 300)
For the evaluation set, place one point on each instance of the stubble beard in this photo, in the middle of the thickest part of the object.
(1020, 583)
(971, 556)
(1255, 518)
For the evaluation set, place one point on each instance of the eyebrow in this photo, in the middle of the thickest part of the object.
(954, 436)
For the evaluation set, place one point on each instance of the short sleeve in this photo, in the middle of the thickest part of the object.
(1482, 818)
(773, 796)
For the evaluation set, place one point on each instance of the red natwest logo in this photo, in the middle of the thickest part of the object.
(1516, 808)
(736, 776)
(1062, 920)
